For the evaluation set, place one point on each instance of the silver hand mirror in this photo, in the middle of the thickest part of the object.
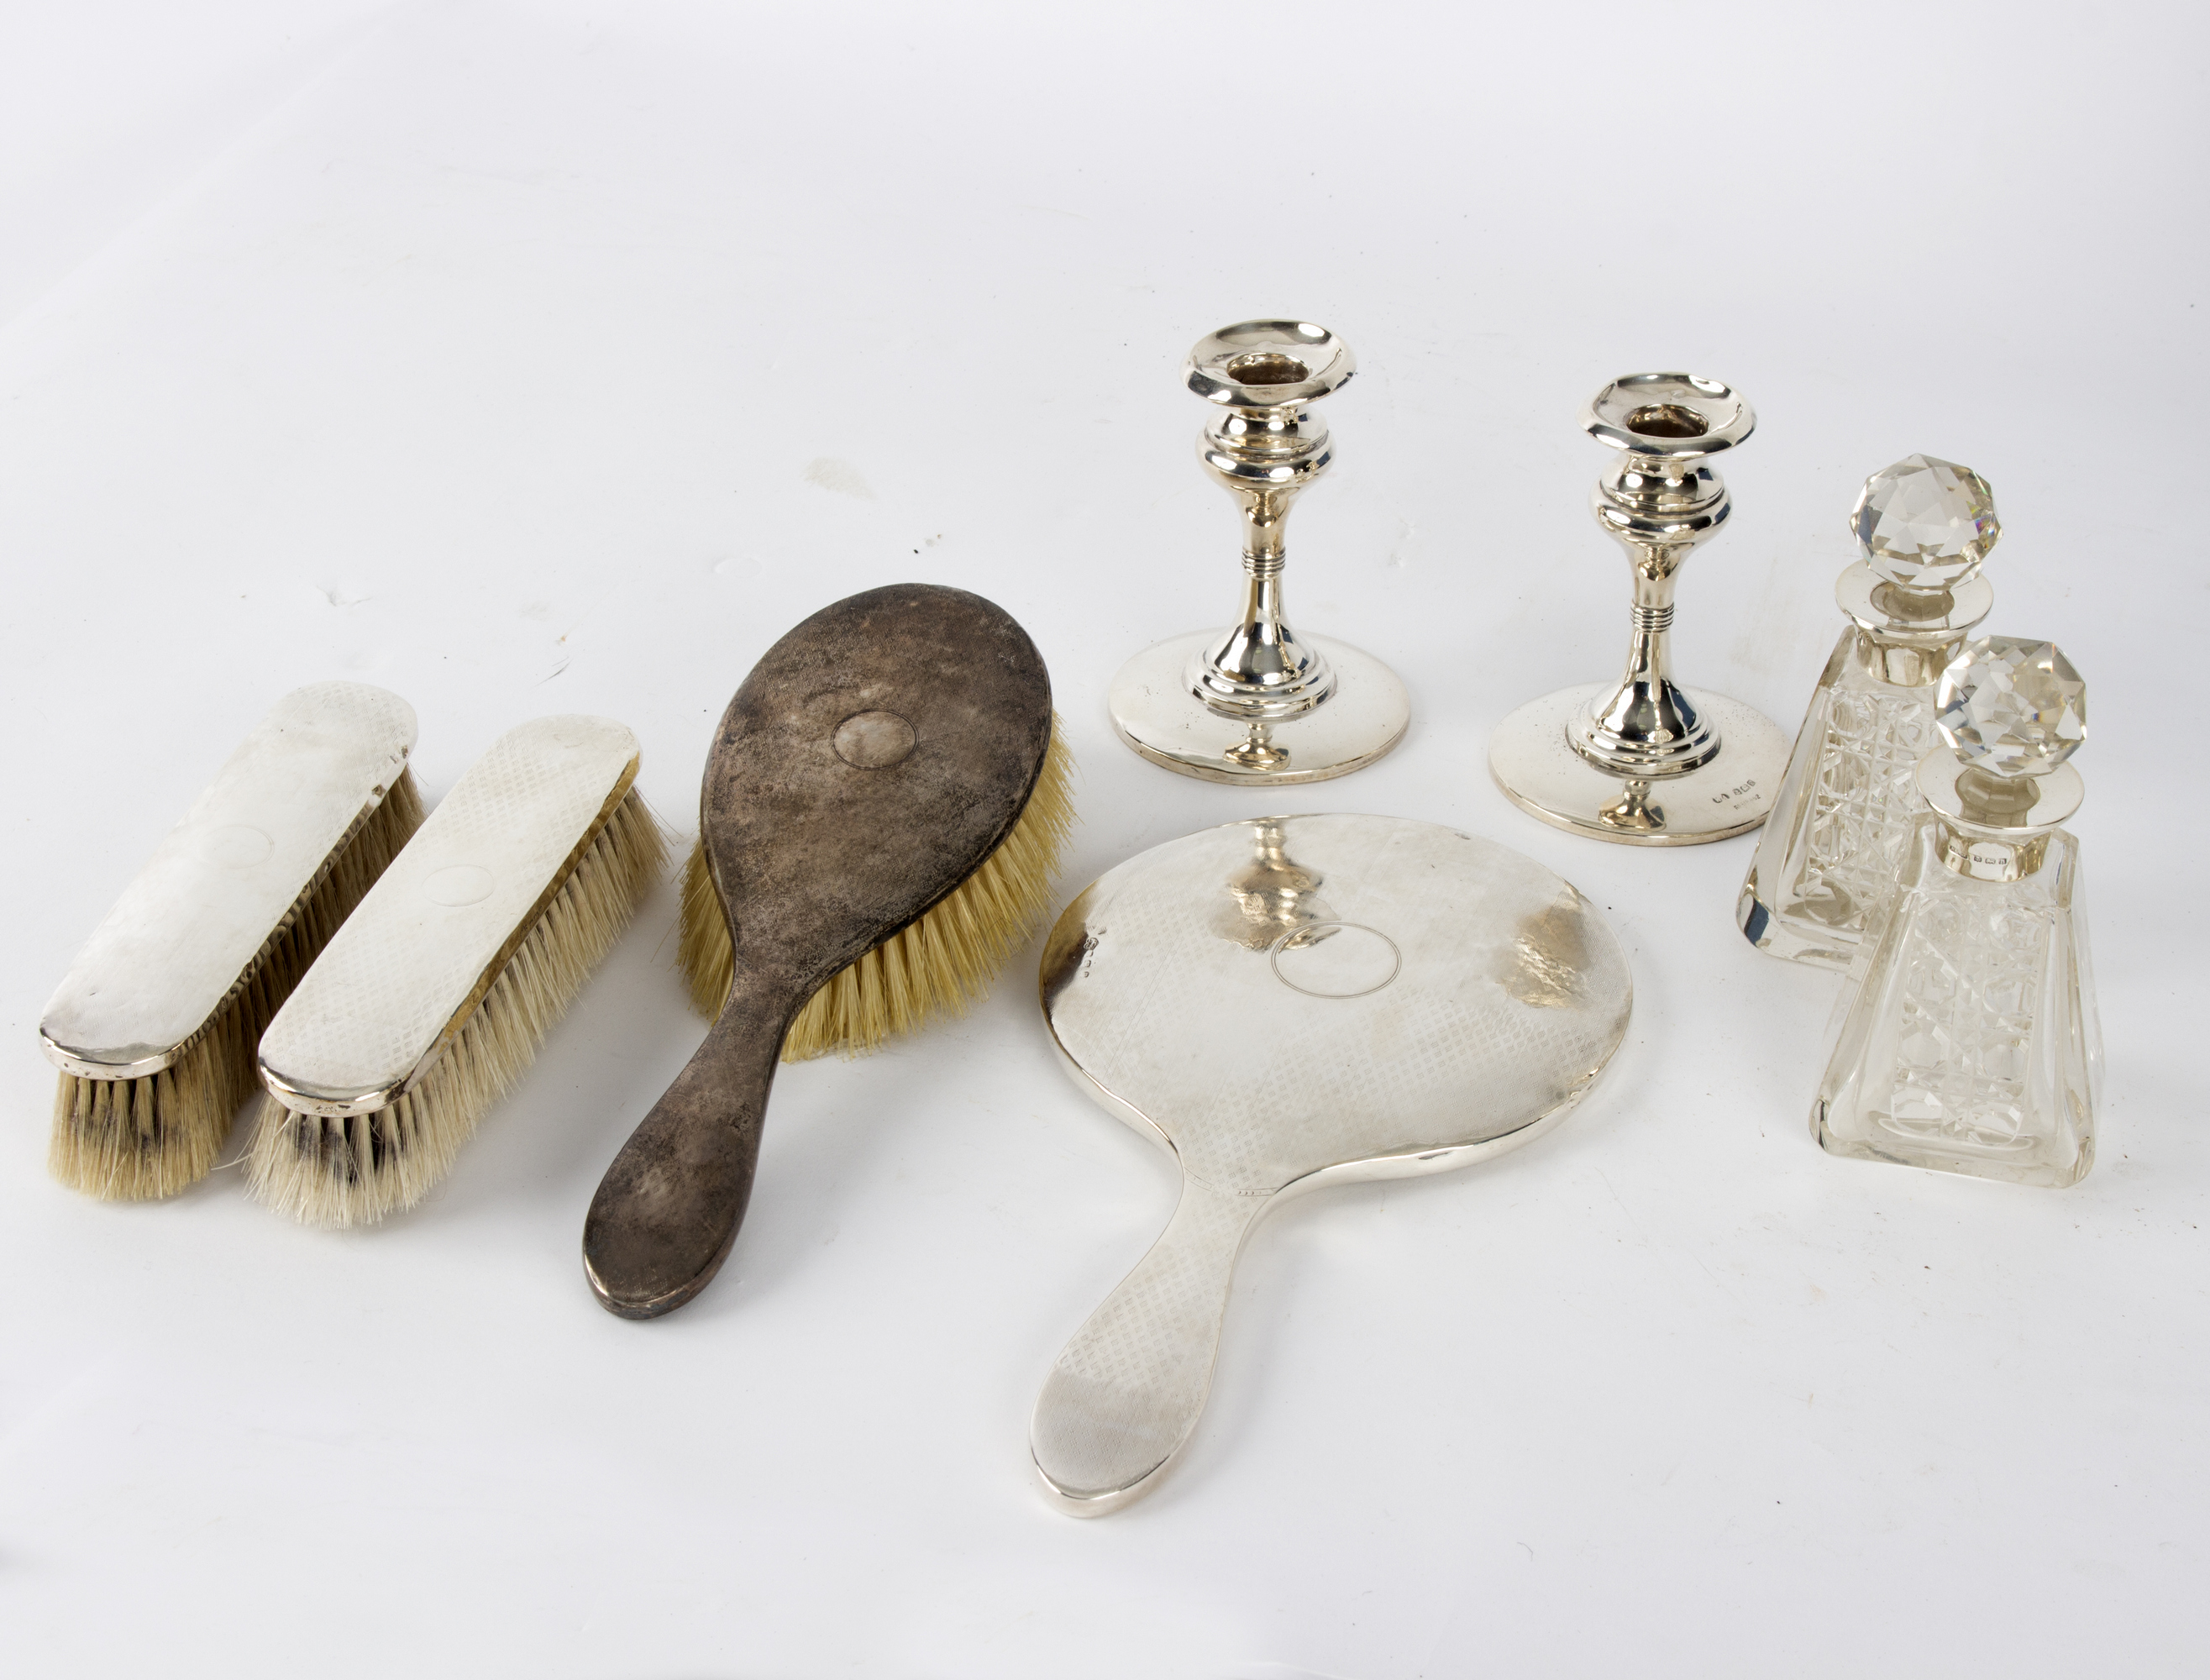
(1284, 1004)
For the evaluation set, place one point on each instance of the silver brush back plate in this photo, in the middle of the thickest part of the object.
(398, 981)
(1286, 1003)
(190, 924)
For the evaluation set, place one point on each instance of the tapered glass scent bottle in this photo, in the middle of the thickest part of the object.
(1966, 1039)
(1841, 820)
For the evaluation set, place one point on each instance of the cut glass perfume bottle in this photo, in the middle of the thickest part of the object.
(1966, 1039)
(1840, 822)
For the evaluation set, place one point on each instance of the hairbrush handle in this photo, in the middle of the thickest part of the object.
(665, 1214)
(1127, 1390)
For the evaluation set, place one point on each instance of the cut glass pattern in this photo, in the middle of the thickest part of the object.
(1864, 799)
(1966, 1024)
(1843, 814)
(1967, 1041)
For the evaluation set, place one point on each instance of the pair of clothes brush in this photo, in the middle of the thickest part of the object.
(376, 980)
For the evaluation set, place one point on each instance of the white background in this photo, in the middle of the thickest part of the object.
(536, 357)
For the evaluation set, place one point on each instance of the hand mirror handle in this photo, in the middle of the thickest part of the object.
(1127, 1390)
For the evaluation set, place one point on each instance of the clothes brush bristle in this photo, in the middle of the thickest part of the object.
(139, 1140)
(359, 1169)
(934, 966)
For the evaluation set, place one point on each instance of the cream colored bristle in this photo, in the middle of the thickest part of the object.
(356, 1170)
(702, 945)
(137, 1139)
(934, 966)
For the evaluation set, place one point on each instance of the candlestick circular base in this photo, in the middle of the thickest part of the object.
(1155, 711)
(1540, 772)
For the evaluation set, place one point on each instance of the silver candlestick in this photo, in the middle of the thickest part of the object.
(1259, 703)
(1644, 761)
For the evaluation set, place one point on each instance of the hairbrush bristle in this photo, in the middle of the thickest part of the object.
(932, 967)
(356, 1170)
(137, 1139)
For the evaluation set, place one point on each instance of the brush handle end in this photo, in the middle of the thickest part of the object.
(665, 1213)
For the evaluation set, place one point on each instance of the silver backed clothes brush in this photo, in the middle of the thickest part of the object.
(155, 1026)
(433, 999)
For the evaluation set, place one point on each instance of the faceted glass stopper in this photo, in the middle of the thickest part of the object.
(1925, 524)
(2013, 707)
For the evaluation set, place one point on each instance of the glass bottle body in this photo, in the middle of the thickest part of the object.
(1844, 809)
(1967, 1038)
